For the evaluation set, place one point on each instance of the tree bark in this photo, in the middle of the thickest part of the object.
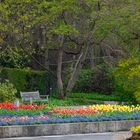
(59, 70)
(76, 71)
(59, 74)
(91, 52)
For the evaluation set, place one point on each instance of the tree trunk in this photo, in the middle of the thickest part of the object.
(59, 74)
(76, 72)
(91, 52)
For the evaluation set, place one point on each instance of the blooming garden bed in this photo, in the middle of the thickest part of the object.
(33, 114)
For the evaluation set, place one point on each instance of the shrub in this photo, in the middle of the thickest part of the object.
(124, 95)
(137, 96)
(27, 80)
(135, 133)
(103, 80)
(128, 77)
(136, 129)
(7, 92)
(99, 80)
(83, 83)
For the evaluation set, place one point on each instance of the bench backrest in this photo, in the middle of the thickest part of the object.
(34, 94)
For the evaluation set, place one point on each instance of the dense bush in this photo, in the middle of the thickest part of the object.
(128, 77)
(123, 94)
(27, 80)
(137, 96)
(7, 92)
(100, 80)
(83, 83)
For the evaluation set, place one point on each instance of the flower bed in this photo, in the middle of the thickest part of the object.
(31, 114)
(108, 108)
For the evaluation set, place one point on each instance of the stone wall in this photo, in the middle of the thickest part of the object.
(66, 128)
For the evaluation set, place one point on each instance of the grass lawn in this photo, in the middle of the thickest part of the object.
(72, 102)
(95, 96)
(83, 99)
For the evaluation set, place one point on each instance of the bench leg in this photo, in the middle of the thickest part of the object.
(31, 101)
(22, 100)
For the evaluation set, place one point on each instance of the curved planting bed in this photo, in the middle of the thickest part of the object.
(19, 121)
(32, 114)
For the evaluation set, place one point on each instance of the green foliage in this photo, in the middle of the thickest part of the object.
(128, 76)
(137, 96)
(89, 19)
(7, 92)
(24, 112)
(26, 79)
(83, 84)
(96, 96)
(54, 102)
(124, 95)
(14, 57)
(59, 102)
(16, 23)
(100, 80)
(103, 80)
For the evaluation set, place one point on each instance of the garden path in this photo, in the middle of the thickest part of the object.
(95, 136)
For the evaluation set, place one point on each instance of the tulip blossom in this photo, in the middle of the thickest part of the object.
(11, 106)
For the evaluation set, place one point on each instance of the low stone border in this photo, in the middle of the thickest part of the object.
(66, 128)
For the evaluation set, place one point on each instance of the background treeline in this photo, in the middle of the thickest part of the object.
(97, 41)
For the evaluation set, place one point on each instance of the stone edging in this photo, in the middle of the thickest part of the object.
(66, 128)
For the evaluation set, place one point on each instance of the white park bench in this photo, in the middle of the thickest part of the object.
(33, 97)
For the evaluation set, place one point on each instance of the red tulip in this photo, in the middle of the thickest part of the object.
(10, 106)
(79, 111)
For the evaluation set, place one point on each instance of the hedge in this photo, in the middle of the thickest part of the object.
(28, 80)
